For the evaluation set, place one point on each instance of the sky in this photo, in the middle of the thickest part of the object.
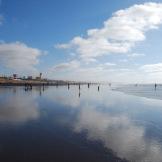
(82, 40)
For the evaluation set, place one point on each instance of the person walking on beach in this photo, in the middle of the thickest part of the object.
(155, 86)
(98, 88)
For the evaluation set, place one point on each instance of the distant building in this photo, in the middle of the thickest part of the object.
(30, 77)
(40, 77)
(15, 76)
(37, 78)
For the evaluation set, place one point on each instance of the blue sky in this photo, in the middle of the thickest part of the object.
(57, 37)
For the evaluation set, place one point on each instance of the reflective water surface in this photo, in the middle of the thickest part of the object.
(64, 124)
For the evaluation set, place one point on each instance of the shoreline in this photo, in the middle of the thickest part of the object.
(40, 83)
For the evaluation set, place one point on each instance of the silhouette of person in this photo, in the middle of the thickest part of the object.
(155, 86)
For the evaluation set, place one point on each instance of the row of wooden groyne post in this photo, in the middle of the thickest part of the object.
(79, 86)
(29, 86)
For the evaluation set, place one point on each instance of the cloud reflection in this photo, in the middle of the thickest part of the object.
(119, 133)
(118, 120)
(67, 98)
(17, 109)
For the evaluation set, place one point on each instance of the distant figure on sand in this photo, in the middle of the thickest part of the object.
(28, 87)
(155, 86)
(98, 88)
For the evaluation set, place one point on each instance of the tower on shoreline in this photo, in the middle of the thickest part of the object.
(40, 75)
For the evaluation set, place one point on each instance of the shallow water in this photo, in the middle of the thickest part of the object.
(56, 124)
(146, 90)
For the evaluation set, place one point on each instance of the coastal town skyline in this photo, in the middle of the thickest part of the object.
(84, 41)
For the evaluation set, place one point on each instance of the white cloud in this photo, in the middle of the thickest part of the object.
(90, 60)
(152, 68)
(108, 64)
(108, 71)
(65, 66)
(19, 57)
(123, 60)
(72, 54)
(120, 33)
(79, 71)
(134, 55)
